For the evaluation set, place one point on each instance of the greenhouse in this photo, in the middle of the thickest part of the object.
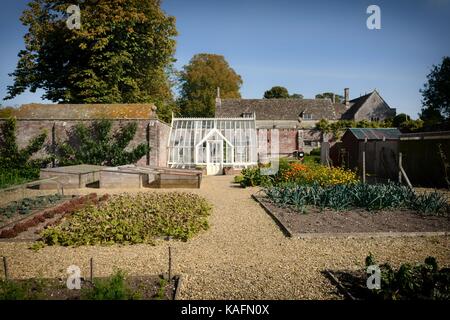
(214, 143)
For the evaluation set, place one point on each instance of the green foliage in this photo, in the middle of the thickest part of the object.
(330, 95)
(276, 92)
(26, 205)
(23, 290)
(97, 145)
(12, 291)
(337, 128)
(315, 152)
(412, 282)
(359, 195)
(199, 81)
(251, 177)
(17, 166)
(161, 288)
(6, 112)
(120, 54)
(113, 288)
(130, 219)
(436, 95)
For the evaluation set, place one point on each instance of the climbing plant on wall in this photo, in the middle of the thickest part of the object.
(97, 144)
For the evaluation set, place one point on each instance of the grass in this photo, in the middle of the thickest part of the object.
(12, 177)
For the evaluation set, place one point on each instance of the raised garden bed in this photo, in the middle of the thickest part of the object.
(112, 288)
(354, 222)
(38, 218)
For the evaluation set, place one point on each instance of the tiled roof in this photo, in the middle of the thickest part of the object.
(374, 133)
(84, 111)
(277, 109)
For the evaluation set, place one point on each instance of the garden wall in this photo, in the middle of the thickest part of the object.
(150, 131)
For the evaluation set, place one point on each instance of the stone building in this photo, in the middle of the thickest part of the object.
(295, 119)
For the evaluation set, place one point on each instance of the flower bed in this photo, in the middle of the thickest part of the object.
(132, 218)
(299, 173)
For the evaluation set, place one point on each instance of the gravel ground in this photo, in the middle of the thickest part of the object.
(243, 255)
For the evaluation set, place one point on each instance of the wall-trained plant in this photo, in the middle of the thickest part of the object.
(357, 195)
(131, 219)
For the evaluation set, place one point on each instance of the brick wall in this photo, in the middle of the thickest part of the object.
(152, 132)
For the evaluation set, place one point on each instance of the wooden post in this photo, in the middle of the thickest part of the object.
(5, 267)
(364, 166)
(399, 167)
(91, 276)
(170, 263)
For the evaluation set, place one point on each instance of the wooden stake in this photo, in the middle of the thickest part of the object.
(5, 267)
(92, 270)
(170, 263)
(399, 167)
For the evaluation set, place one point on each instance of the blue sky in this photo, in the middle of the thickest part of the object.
(308, 47)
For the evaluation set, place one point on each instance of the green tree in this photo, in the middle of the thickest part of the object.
(199, 81)
(276, 92)
(436, 95)
(400, 118)
(97, 145)
(121, 54)
(296, 96)
(330, 95)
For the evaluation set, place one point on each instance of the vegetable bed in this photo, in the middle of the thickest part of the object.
(19, 209)
(423, 281)
(131, 219)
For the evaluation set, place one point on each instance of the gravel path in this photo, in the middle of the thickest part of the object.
(243, 255)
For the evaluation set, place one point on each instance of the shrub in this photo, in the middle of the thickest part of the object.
(131, 219)
(252, 177)
(359, 195)
(421, 281)
(315, 152)
(113, 288)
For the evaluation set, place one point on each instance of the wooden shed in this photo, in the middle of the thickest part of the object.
(381, 152)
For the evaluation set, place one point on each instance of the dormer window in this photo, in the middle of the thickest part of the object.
(247, 115)
(307, 116)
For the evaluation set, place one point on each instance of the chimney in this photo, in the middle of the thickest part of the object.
(218, 100)
(334, 98)
(346, 97)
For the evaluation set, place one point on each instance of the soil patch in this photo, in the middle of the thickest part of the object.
(355, 221)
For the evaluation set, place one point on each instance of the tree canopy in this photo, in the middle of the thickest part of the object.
(199, 81)
(121, 54)
(276, 92)
(279, 92)
(330, 95)
(436, 95)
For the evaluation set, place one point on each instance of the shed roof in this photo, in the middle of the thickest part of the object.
(84, 111)
(374, 133)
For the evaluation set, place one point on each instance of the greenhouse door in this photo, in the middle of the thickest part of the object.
(215, 157)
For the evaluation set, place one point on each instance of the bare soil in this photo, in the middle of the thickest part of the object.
(355, 221)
